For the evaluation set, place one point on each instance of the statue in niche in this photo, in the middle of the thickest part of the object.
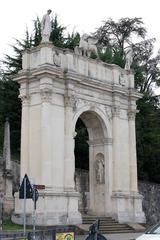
(46, 27)
(128, 58)
(87, 46)
(99, 167)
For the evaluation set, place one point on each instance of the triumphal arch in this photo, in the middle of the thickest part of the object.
(57, 87)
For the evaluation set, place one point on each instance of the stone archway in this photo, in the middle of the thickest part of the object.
(53, 97)
(81, 153)
(98, 201)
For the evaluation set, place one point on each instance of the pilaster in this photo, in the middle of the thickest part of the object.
(25, 99)
(116, 148)
(69, 161)
(46, 133)
(132, 150)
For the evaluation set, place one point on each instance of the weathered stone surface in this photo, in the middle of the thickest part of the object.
(151, 200)
(9, 183)
(82, 186)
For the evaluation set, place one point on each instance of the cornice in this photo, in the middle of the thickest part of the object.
(52, 71)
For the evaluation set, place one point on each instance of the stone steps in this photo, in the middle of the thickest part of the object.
(107, 224)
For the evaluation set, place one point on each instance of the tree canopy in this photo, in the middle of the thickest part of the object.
(115, 37)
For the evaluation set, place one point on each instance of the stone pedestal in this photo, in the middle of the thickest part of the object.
(52, 209)
(128, 207)
(8, 203)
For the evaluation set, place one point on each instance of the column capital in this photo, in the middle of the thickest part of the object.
(69, 101)
(25, 99)
(132, 114)
(116, 111)
(46, 94)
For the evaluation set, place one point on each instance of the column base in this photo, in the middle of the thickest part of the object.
(127, 207)
(52, 209)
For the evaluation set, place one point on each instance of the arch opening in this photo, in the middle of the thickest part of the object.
(90, 162)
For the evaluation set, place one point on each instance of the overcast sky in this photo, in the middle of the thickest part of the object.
(83, 15)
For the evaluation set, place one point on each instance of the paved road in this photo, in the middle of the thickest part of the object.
(120, 236)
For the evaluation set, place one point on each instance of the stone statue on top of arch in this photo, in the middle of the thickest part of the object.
(46, 27)
(99, 168)
(128, 57)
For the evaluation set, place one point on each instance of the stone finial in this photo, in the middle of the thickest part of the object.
(6, 146)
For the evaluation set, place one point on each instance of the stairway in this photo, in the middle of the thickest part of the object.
(107, 224)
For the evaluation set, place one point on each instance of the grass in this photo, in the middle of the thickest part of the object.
(8, 225)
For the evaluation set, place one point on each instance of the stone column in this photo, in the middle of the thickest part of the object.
(91, 176)
(46, 133)
(24, 135)
(69, 161)
(108, 143)
(132, 149)
(116, 149)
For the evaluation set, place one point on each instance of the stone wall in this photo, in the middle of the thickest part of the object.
(82, 186)
(151, 201)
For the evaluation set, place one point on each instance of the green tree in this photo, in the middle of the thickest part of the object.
(148, 138)
(13, 64)
(10, 107)
(72, 40)
(146, 67)
(115, 36)
(58, 36)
